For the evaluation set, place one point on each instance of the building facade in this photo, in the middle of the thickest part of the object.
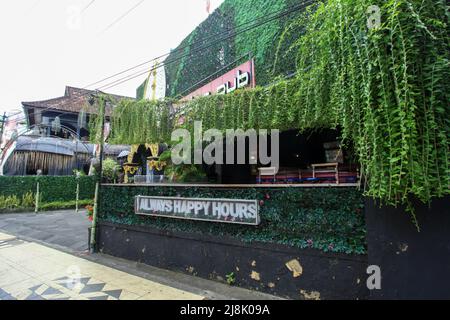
(56, 138)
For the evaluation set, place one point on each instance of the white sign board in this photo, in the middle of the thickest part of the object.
(211, 210)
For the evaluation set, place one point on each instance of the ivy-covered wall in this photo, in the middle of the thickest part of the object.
(52, 188)
(328, 219)
(386, 87)
(230, 18)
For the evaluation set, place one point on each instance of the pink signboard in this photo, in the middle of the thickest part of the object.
(240, 77)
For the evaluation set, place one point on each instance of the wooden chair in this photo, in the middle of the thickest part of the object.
(293, 176)
(332, 167)
(267, 172)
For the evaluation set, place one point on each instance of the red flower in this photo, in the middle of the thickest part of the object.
(261, 203)
(267, 196)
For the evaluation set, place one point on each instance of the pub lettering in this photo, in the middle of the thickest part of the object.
(241, 80)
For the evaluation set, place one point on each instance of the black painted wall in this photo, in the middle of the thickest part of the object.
(256, 266)
(413, 265)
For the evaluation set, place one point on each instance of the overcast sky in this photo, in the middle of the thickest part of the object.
(46, 44)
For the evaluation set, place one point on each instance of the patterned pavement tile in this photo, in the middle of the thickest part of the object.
(5, 295)
(29, 271)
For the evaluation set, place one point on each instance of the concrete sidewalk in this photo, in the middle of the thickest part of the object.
(30, 271)
(40, 247)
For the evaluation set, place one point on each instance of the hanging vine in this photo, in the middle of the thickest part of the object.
(386, 88)
(140, 122)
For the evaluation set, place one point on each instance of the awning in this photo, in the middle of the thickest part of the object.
(52, 145)
(49, 145)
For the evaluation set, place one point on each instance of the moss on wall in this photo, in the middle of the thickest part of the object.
(328, 219)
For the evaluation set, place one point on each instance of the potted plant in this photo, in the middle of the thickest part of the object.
(157, 167)
(90, 212)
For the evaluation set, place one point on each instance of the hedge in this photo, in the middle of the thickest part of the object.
(328, 219)
(49, 206)
(53, 189)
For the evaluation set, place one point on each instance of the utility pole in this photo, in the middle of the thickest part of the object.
(102, 113)
(2, 126)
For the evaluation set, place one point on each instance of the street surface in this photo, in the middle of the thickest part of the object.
(45, 256)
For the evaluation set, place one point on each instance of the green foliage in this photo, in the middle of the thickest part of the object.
(110, 170)
(166, 156)
(51, 188)
(140, 90)
(28, 200)
(185, 173)
(13, 204)
(386, 88)
(233, 16)
(152, 118)
(178, 73)
(79, 172)
(9, 202)
(61, 205)
(95, 120)
(231, 278)
(328, 219)
(259, 41)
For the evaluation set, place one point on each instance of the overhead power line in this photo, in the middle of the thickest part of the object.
(265, 21)
(60, 112)
(292, 8)
(281, 13)
(123, 15)
(87, 6)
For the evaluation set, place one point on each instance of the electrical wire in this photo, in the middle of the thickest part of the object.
(127, 78)
(293, 7)
(123, 16)
(138, 74)
(87, 6)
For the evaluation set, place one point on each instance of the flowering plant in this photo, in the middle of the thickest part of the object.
(157, 165)
(90, 212)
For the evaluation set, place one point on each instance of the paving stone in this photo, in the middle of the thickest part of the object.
(30, 263)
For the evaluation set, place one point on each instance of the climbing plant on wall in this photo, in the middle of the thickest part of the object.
(186, 66)
(290, 216)
(141, 122)
(386, 87)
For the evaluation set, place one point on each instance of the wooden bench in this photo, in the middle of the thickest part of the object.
(332, 167)
(267, 172)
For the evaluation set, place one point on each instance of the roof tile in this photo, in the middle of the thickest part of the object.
(74, 100)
